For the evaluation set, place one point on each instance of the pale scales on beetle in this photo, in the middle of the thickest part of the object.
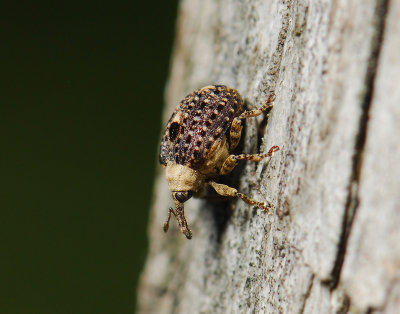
(195, 149)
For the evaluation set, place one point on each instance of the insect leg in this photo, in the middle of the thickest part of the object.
(262, 205)
(235, 133)
(231, 162)
(225, 190)
(255, 157)
(236, 127)
(257, 112)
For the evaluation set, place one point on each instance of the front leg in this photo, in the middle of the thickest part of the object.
(225, 190)
(231, 162)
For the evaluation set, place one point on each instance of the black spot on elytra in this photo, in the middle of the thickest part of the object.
(197, 154)
(213, 116)
(174, 131)
(188, 139)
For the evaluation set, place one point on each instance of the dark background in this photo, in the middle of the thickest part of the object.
(80, 107)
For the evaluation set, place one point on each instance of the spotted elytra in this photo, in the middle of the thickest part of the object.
(195, 149)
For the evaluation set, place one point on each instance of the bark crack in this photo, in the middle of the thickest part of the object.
(270, 77)
(307, 294)
(352, 202)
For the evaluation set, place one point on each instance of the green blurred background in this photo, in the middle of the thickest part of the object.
(81, 100)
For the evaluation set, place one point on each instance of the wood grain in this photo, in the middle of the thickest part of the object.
(333, 244)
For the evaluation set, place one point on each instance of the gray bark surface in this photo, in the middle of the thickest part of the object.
(333, 243)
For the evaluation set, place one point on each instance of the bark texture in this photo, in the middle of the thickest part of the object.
(333, 243)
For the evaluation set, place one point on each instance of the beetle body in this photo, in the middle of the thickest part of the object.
(195, 148)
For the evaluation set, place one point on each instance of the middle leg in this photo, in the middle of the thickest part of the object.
(231, 162)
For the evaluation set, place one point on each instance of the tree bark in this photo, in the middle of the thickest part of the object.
(333, 243)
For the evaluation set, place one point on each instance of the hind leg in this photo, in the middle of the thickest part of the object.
(236, 127)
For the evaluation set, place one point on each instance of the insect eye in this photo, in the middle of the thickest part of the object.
(183, 196)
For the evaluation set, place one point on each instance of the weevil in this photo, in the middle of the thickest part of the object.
(196, 146)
